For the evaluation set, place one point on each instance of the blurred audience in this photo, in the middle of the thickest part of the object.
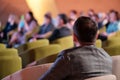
(10, 26)
(28, 25)
(112, 26)
(46, 29)
(54, 28)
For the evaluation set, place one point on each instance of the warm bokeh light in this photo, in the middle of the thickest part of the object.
(40, 7)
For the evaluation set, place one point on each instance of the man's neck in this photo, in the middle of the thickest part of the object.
(86, 43)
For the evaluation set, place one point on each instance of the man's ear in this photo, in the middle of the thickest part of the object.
(76, 42)
(97, 34)
(75, 37)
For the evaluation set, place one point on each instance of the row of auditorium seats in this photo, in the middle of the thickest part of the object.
(65, 43)
(41, 51)
(32, 51)
(34, 72)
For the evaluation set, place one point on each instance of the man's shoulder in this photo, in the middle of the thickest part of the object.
(81, 50)
(69, 51)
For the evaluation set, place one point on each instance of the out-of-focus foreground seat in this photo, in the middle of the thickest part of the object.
(33, 74)
(98, 43)
(30, 73)
(10, 62)
(116, 66)
(2, 46)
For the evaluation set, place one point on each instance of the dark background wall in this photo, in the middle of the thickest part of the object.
(84, 5)
(16, 7)
(19, 7)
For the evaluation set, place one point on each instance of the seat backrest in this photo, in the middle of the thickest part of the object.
(113, 41)
(49, 59)
(113, 50)
(65, 42)
(106, 77)
(38, 43)
(30, 73)
(98, 43)
(9, 65)
(39, 53)
(116, 66)
(9, 52)
(2, 46)
(31, 45)
(45, 51)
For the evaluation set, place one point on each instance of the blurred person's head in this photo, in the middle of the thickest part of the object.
(11, 18)
(82, 13)
(29, 16)
(47, 19)
(71, 22)
(102, 15)
(85, 30)
(91, 12)
(113, 16)
(95, 17)
(49, 13)
(73, 14)
(62, 19)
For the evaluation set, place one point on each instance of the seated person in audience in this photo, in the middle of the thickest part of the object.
(62, 30)
(82, 62)
(46, 29)
(70, 24)
(96, 19)
(112, 27)
(27, 27)
(73, 15)
(91, 12)
(11, 25)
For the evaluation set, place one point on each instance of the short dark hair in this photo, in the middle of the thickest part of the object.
(74, 12)
(85, 29)
(48, 16)
(64, 18)
(32, 16)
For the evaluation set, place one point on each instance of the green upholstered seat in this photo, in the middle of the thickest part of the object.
(65, 42)
(98, 43)
(9, 52)
(113, 50)
(10, 62)
(113, 41)
(2, 46)
(38, 53)
(31, 45)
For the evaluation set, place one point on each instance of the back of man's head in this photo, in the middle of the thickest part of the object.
(85, 29)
